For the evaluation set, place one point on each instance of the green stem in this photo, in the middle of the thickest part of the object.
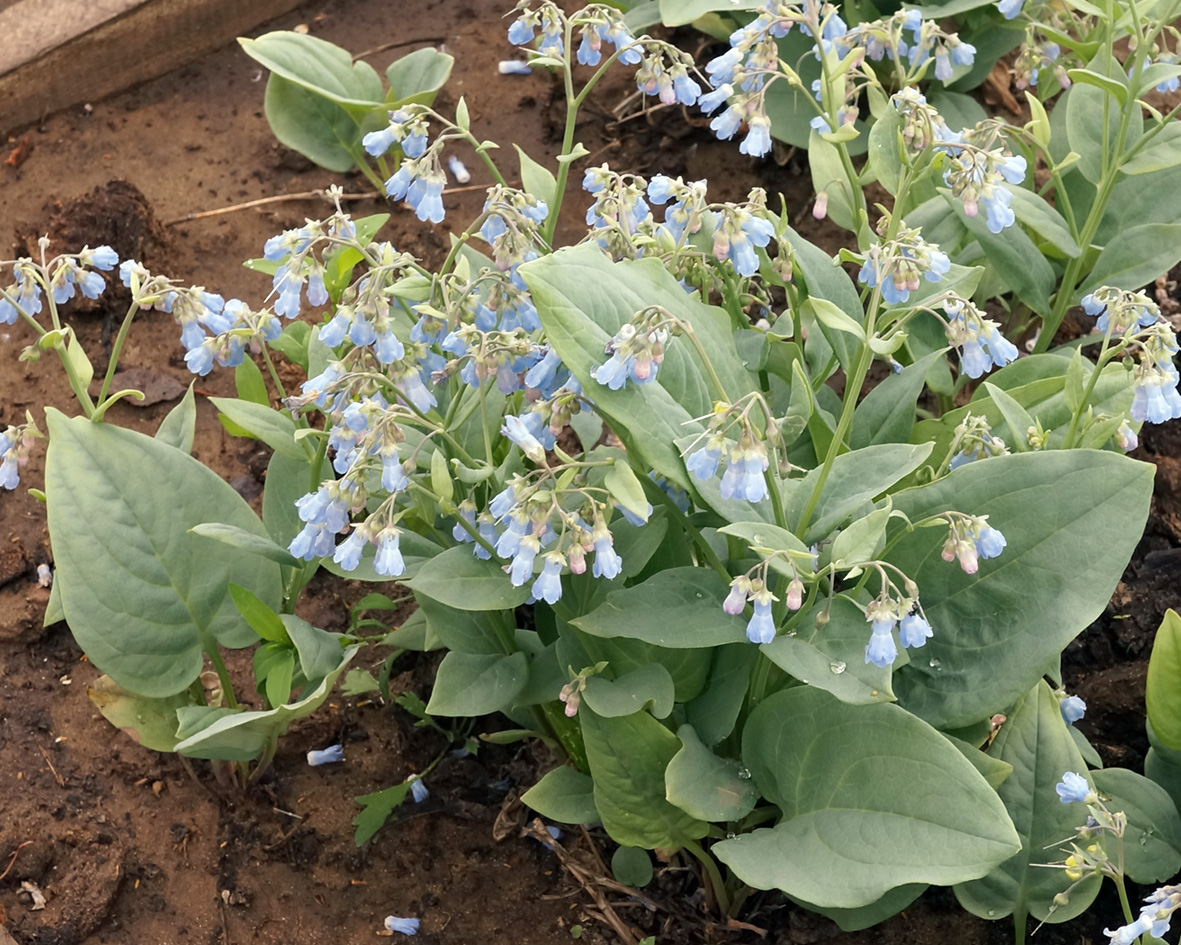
(124, 330)
(223, 676)
(266, 356)
(715, 876)
(484, 426)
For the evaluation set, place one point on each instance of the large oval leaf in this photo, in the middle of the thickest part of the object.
(872, 798)
(1072, 520)
(1037, 743)
(144, 597)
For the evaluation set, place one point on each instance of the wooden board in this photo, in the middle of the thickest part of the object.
(59, 53)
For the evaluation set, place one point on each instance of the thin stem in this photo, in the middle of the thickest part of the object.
(714, 874)
(223, 676)
(124, 330)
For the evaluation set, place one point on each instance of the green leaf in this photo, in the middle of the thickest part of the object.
(1016, 416)
(418, 76)
(832, 658)
(242, 735)
(565, 795)
(476, 684)
(1163, 765)
(142, 596)
(627, 759)
(287, 481)
(854, 920)
(1084, 126)
(872, 798)
(996, 631)
(1113, 87)
(319, 651)
(150, 722)
(648, 687)
(830, 282)
(856, 478)
(1037, 214)
(862, 539)
(247, 541)
(358, 682)
(683, 12)
(461, 630)
(1137, 257)
(318, 128)
(1164, 151)
(884, 155)
(249, 383)
(262, 619)
(1152, 844)
(676, 608)
(1163, 693)
(293, 343)
(705, 786)
(625, 488)
(887, 414)
(377, 808)
(319, 66)
(180, 424)
(715, 711)
(459, 579)
(829, 315)
(275, 429)
(583, 299)
(536, 178)
(631, 866)
(1036, 742)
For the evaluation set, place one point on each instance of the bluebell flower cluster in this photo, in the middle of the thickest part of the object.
(974, 441)
(63, 276)
(1155, 916)
(512, 226)
(408, 129)
(739, 230)
(1135, 321)
(970, 539)
(885, 614)
(977, 174)
(1036, 58)
(24, 295)
(636, 351)
(419, 179)
(981, 344)
(898, 266)
(14, 453)
(761, 627)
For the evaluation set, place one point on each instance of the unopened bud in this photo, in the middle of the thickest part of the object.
(820, 207)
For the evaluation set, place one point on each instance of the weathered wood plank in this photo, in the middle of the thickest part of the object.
(58, 53)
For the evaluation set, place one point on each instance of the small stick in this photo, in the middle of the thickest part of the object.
(303, 195)
(12, 862)
(403, 42)
(61, 782)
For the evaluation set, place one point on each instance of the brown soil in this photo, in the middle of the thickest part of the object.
(126, 845)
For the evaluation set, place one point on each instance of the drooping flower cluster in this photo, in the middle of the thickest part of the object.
(15, 443)
(973, 441)
(884, 615)
(62, 276)
(733, 434)
(419, 179)
(512, 226)
(1155, 916)
(971, 538)
(899, 265)
(981, 344)
(1036, 58)
(977, 170)
(1135, 320)
(637, 349)
(741, 75)
(664, 69)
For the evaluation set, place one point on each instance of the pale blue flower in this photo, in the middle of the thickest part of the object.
(1073, 788)
(1072, 708)
(405, 926)
(326, 756)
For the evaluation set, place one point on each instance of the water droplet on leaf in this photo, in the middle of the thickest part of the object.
(837, 667)
(935, 665)
(744, 773)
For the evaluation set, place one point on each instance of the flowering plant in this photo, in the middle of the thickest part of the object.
(770, 625)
